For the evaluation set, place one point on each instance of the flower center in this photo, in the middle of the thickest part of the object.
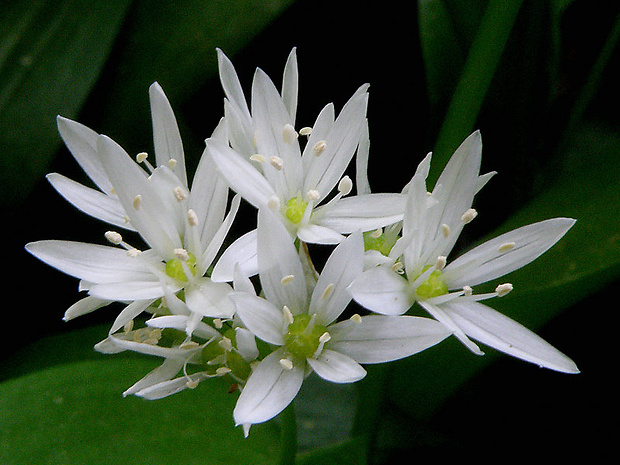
(175, 267)
(434, 286)
(303, 336)
(295, 209)
(221, 353)
(379, 241)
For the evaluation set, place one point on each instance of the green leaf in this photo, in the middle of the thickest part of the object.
(75, 414)
(586, 260)
(51, 54)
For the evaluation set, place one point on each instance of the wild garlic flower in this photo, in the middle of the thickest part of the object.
(183, 230)
(265, 164)
(301, 324)
(423, 274)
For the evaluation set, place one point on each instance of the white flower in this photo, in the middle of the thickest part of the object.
(301, 322)
(266, 165)
(431, 226)
(183, 229)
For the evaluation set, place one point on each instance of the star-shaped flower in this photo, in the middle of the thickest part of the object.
(302, 324)
(431, 226)
(183, 230)
(264, 163)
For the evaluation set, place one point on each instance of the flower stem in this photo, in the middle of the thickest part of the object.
(289, 435)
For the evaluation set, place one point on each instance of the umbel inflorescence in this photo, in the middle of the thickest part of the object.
(258, 312)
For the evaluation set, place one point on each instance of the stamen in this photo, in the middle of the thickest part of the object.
(506, 247)
(440, 264)
(114, 237)
(377, 233)
(128, 326)
(325, 337)
(503, 289)
(306, 131)
(345, 185)
(319, 147)
(355, 318)
(288, 315)
(192, 217)
(287, 279)
(225, 344)
(286, 363)
(273, 203)
(328, 291)
(398, 267)
(258, 158)
(192, 384)
(467, 291)
(313, 194)
(137, 201)
(276, 162)
(141, 157)
(218, 323)
(181, 254)
(172, 163)
(221, 371)
(133, 252)
(288, 134)
(179, 193)
(445, 229)
(469, 215)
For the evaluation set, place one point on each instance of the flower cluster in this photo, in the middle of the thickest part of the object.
(257, 312)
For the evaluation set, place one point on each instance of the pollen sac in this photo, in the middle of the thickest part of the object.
(434, 286)
(295, 209)
(175, 268)
(303, 336)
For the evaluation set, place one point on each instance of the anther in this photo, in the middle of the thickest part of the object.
(172, 163)
(376, 234)
(225, 344)
(445, 229)
(179, 193)
(467, 291)
(356, 319)
(319, 147)
(141, 157)
(137, 201)
(128, 326)
(288, 134)
(328, 291)
(313, 194)
(221, 371)
(114, 237)
(325, 337)
(440, 263)
(192, 217)
(288, 315)
(218, 323)
(133, 252)
(286, 363)
(469, 215)
(192, 384)
(181, 254)
(345, 185)
(503, 289)
(506, 247)
(276, 162)
(258, 158)
(273, 203)
(287, 279)
(306, 131)
(398, 267)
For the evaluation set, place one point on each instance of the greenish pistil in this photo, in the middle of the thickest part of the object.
(215, 356)
(295, 209)
(434, 286)
(302, 339)
(176, 270)
(377, 240)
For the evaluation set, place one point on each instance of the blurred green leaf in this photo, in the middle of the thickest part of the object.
(51, 54)
(75, 414)
(586, 260)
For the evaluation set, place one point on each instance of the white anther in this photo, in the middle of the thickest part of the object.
(114, 237)
(273, 203)
(288, 315)
(137, 201)
(218, 323)
(328, 291)
(181, 254)
(376, 234)
(141, 157)
(306, 131)
(192, 217)
(172, 163)
(133, 252)
(286, 363)
(440, 263)
(469, 215)
(467, 291)
(192, 384)
(319, 147)
(287, 279)
(503, 289)
(288, 134)
(398, 267)
(506, 247)
(325, 337)
(356, 319)
(276, 162)
(445, 229)
(189, 345)
(313, 194)
(128, 326)
(225, 344)
(258, 158)
(345, 185)
(179, 193)
(221, 371)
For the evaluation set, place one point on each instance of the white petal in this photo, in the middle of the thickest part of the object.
(379, 338)
(230, 83)
(270, 388)
(361, 162)
(290, 84)
(506, 335)
(315, 234)
(242, 252)
(363, 212)
(331, 296)
(336, 367)
(215, 242)
(131, 311)
(260, 316)
(277, 259)
(166, 135)
(129, 290)
(208, 298)
(173, 386)
(164, 372)
(84, 306)
(382, 291)
(246, 344)
(181, 323)
(488, 261)
(92, 202)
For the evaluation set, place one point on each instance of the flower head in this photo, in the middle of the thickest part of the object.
(431, 226)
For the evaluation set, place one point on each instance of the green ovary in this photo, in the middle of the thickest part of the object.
(380, 243)
(302, 338)
(434, 286)
(176, 270)
(295, 209)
